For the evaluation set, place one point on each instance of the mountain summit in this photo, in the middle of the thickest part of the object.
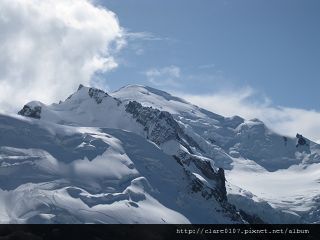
(141, 155)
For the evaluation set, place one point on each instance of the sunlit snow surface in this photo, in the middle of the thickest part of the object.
(267, 176)
(295, 189)
(60, 174)
(89, 161)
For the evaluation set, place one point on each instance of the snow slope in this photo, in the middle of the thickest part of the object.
(86, 107)
(143, 147)
(53, 173)
(277, 173)
(92, 107)
(294, 190)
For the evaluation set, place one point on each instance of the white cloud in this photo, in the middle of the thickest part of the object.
(49, 47)
(167, 76)
(284, 120)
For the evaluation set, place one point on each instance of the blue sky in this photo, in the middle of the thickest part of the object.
(252, 58)
(271, 46)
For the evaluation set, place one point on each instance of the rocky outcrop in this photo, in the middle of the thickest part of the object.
(303, 144)
(97, 94)
(301, 140)
(204, 179)
(29, 111)
(159, 126)
(208, 193)
(216, 174)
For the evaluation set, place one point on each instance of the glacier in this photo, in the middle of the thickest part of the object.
(141, 155)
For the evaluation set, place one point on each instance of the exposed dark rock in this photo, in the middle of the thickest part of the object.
(34, 112)
(80, 86)
(209, 172)
(160, 126)
(301, 140)
(97, 94)
(118, 101)
(70, 96)
(222, 182)
(252, 219)
(208, 193)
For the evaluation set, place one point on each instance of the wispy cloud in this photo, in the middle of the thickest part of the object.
(146, 36)
(207, 66)
(49, 47)
(166, 76)
(243, 102)
(135, 40)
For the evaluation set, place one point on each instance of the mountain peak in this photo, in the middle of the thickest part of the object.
(146, 90)
(83, 92)
(198, 140)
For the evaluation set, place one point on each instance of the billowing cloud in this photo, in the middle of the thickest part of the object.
(166, 76)
(49, 47)
(284, 120)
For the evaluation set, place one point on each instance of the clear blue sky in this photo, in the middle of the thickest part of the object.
(271, 45)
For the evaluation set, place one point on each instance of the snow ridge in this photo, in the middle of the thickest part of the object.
(128, 144)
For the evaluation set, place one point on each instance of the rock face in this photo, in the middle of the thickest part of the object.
(94, 93)
(302, 144)
(159, 126)
(301, 140)
(206, 169)
(101, 175)
(206, 149)
(97, 94)
(29, 111)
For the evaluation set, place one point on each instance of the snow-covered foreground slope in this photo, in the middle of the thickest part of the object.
(51, 173)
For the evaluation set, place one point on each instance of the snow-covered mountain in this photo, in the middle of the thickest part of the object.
(273, 172)
(141, 155)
